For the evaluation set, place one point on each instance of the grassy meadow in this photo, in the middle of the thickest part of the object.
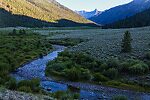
(104, 43)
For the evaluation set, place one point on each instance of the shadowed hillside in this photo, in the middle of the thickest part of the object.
(138, 20)
(10, 20)
(38, 13)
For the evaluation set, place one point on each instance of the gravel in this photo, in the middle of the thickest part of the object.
(15, 95)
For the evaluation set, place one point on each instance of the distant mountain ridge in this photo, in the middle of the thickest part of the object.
(88, 14)
(138, 20)
(46, 12)
(121, 12)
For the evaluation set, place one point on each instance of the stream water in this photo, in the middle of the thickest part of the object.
(36, 69)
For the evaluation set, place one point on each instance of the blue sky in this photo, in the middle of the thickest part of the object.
(92, 4)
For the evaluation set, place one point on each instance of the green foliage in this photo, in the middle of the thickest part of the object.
(29, 85)
(80, 66)
(12, 84)
(138, 69)
(25, 89)
(67, 41)
(113, 63)
(18, 48)
(119, 98)
(126, 42)
(76, 65)
(147, 55)
(61, 95)
(111, 73)
(22, 31)
(32, 86)
(76, 74)
(99, 77)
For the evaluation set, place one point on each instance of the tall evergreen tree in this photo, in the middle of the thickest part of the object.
(126, 42)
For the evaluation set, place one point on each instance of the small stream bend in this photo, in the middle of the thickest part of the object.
(36, 69)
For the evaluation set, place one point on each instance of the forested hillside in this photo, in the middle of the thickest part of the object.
(138, 20)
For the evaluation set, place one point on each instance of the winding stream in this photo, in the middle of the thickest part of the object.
(36, 69)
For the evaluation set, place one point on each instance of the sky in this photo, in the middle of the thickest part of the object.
(89, 5)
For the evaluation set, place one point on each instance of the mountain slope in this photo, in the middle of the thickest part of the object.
(90, 14)
(42, 10)
(121, 12)
(139, 20)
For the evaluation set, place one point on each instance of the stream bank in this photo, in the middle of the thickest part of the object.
(36, 69)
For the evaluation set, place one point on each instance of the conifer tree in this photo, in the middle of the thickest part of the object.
(126, 42)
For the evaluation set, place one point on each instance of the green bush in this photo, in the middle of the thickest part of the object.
(113, 63)
(147, 55)
(76, 74)
(34, 84)
(138, 69)
(4, 69)
(103, 67)
(113, 83)
(56, 67)
(119, 98)
(99, 77)
(67, 95)
(25, 89)
(76, 96)
(124, 67)
(112, 73)
(12, 84)
(16, 49)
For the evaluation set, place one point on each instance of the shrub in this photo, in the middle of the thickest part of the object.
(112, 73)
(72, 74)
(103, 67)
(85, 74)
(138, 69)
(11, 84)
(113, 83)
(113, 63)
(99, 78)
(76, 74)
(76, 96)
(119, 98)
(67, 95)
(4, 68)
(33, 84)
(147, 55)
(25, 89)
(124, 67)
(55, 66)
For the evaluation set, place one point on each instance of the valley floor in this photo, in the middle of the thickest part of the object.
(101, 44)
(104, 43)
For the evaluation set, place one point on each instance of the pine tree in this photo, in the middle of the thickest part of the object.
(126, 42)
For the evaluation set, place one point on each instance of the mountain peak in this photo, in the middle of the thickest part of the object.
(121, 12)
(88, 14)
